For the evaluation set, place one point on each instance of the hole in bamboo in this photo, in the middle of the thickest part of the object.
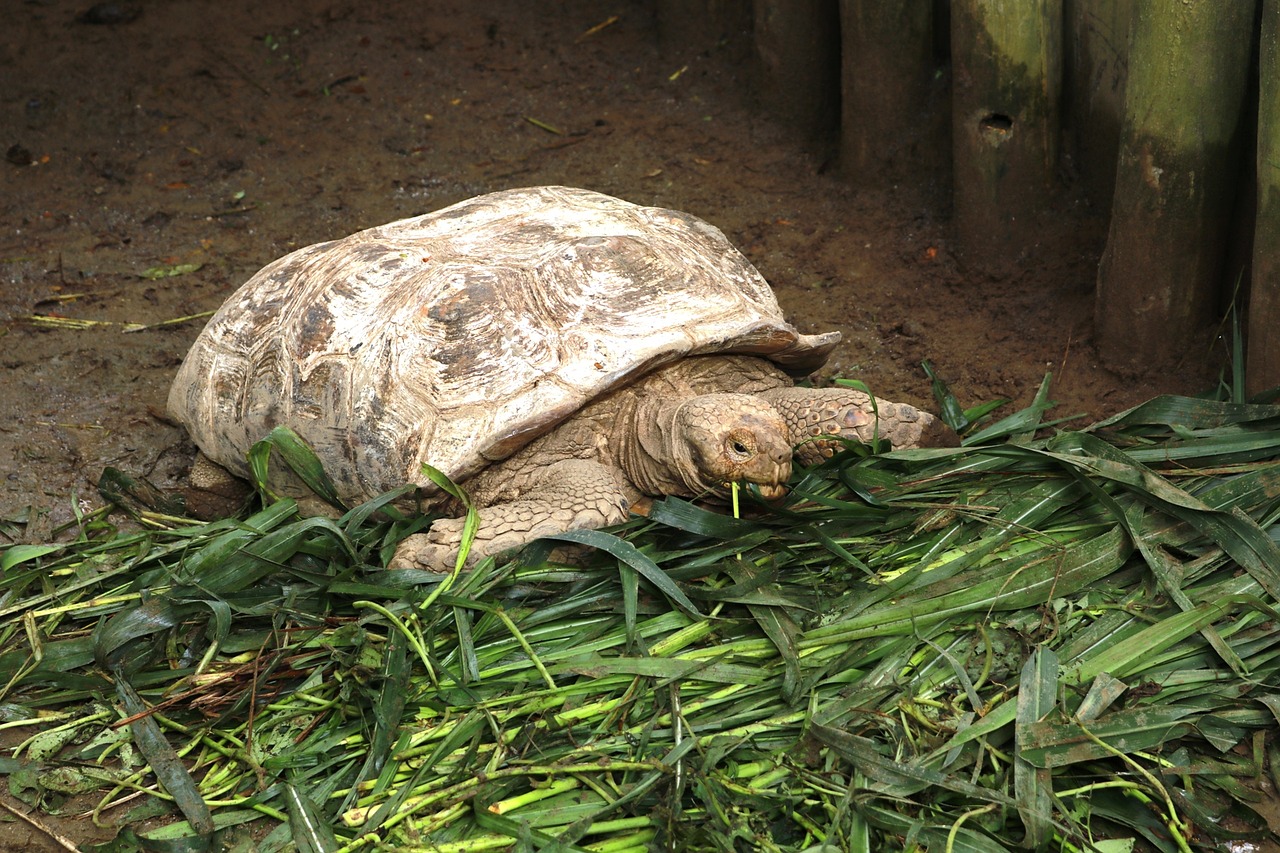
(996, 121)
(995, 127)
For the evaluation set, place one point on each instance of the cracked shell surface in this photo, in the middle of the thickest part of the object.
(457, 337)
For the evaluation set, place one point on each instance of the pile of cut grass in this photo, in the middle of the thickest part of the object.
(1061, 643)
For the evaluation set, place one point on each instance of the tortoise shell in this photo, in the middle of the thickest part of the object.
(457, 337)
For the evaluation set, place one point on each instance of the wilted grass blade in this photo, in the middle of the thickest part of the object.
(1168, 572)
(682, 515)
(171, 772)
(135, 494)
(1057, 743)
(949, 408)
(469, 525)
(663, 669)
(1006, 585)
(778, 626)
(524, 836)
(388, 711)
(1019, 424)
(897, 778)
(1191, 413)
(141, 621)
(934, 837)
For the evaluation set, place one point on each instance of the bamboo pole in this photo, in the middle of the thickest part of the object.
(1158, 283)
(798, 63)
(1096, 60)
(1007, 61)
(1263, 365)
(888, 121)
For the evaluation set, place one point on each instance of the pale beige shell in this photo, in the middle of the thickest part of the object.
(457, 337)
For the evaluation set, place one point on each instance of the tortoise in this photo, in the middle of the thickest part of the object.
(559, 352)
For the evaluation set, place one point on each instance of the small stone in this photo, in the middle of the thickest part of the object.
(910, 329)
(18, 156)
(109, 14)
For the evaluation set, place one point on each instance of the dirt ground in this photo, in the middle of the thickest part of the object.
(217, 136)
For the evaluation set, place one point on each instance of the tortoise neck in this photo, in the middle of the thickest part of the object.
(649, 448)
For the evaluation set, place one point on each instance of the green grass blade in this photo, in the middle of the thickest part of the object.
(311, 829)
(861, 678)
(631, 556)
(300, 458)
(1033, 786)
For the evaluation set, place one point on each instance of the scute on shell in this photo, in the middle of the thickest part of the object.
(457, 337)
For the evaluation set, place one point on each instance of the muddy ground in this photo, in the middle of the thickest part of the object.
(221, 135)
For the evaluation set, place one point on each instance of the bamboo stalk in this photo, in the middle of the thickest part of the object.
(1161, 272)
(798, 63)
(889, 123)
(1263, 365)
(1007, 61)
(1096, 69)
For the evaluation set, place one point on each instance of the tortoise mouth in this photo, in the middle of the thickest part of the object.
(772, 493)
(767, 491)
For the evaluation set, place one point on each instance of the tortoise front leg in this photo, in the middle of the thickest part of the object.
(813, 412)
(570, 495)
(213, 492)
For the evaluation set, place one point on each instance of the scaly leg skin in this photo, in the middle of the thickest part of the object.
(213, 492)
(813, 412)
(573, 494)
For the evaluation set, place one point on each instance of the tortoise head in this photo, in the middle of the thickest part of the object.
(731, 438)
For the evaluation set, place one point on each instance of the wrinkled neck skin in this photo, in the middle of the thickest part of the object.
(652, 452)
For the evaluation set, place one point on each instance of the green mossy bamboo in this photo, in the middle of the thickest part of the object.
(1264, 291)
(1160, 279)
(1006, 88)
(888, 121)
(797, 73)
(1096, 68)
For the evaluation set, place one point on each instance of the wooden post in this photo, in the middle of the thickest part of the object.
(1096, 62)
(890, 121)
(1007, 66)
(798, 63)
(1175, 174)
(1263, 354)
